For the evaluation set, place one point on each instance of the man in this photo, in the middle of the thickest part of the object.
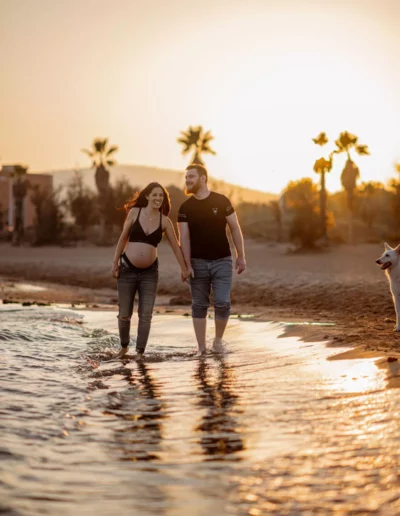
(202, 221)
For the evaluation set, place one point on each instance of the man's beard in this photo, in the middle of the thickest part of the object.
(192, 189)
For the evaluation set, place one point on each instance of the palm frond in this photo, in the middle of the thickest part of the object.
(88, 152)
(322, 165)
(185, 135)
(100, 144)
(111, 150)
(362, 150)
(206, 149)
(346, 140)
(339, 146)
(321, 139)
(183, 141)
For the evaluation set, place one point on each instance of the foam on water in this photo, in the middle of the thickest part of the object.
(270, 427)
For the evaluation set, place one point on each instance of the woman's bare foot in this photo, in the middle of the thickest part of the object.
(122, 353)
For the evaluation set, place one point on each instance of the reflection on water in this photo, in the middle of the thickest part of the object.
(219, 426)
(141, 411)
(271, 428)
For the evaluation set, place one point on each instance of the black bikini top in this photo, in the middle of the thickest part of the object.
(137, 233)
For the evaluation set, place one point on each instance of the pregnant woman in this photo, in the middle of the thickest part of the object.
(135, 262)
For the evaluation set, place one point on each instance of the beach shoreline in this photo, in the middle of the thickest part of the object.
(341, 286)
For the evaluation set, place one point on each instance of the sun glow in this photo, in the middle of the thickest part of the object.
(265, 77)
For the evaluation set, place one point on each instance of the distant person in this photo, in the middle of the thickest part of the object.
(135, 262)
(202, 225)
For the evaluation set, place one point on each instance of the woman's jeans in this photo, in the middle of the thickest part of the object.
(215, 275)
(144, 281)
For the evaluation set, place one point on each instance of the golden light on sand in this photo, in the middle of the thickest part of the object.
(354, 376)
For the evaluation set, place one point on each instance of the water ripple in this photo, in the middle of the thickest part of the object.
(272, 427)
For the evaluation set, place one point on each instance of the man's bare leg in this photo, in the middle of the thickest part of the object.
(200, 328)
(220, 325)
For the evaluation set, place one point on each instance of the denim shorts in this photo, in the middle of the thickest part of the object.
(211, 276)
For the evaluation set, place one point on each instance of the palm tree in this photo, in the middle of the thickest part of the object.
(394, 185)
(369, 205)
(195, 140)
(19, 189)
(322, 166)
(277, 214)
(100, 153)
(351, 172)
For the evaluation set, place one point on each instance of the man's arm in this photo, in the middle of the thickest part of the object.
(184, 237)
(238, 242)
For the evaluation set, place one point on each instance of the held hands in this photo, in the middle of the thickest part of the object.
(186, 273)
(240, 265)
(115, 270)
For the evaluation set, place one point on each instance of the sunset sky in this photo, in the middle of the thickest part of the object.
(264, 76)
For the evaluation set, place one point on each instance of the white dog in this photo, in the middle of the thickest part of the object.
(390, 262)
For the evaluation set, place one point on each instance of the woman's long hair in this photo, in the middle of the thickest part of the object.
(139, 199)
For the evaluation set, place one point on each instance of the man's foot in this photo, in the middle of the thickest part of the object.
(139, 355)
(201, 353)
(218, 346)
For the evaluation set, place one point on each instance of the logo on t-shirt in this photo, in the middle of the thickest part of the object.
(215, 211)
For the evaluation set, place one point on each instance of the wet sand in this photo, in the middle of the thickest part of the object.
(342, 285)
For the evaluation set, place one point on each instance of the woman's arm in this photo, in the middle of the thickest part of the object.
(185, 244)
(237, 237)
(122, 240)
(173, 241)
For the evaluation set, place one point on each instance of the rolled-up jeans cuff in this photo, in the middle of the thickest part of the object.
(222, 317)
(199, 312)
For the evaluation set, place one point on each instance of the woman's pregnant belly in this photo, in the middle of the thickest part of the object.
(141, 255)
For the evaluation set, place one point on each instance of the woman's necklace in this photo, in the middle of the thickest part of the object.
(148, 217)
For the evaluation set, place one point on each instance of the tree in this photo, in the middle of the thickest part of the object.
(100, 154)
(177, 197)
(20, 187)
(49, 219)
(322, 166)
(277, 214)
(81, 202)
(301, 199)
(350, 174)
(195, 140)
(370, 199)
(122, 192)
(394, 185)
(1, 217)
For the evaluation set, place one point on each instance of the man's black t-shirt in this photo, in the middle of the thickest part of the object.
(207, 225)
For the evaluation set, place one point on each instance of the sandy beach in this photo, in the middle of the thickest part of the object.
(341, 285)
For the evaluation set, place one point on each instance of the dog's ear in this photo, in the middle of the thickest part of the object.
(387, 247)
(397, 249)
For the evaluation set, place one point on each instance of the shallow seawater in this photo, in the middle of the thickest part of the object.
(271, 427)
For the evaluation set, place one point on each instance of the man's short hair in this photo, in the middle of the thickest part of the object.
(201, 170)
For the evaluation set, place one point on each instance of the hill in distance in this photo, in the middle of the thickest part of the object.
(141, 175)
